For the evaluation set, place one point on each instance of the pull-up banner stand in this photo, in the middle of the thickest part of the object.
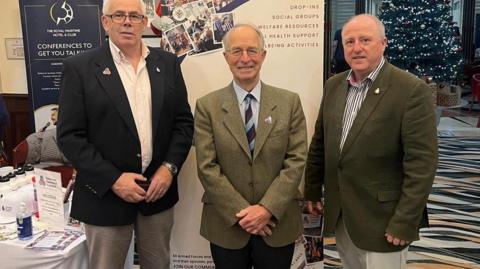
(54, 30)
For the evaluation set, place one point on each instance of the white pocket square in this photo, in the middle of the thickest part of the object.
(268, 120)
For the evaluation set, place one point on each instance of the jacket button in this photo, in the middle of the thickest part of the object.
(139, 155)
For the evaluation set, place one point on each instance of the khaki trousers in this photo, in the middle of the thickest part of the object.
(354, 258)
(108, 245)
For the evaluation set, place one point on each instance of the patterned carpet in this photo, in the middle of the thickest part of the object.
(453, 239)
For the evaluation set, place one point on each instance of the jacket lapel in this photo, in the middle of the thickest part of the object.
(109, 78)
(156, 76)
(340, 99)
(368, 106)
(267, 106)
(233, 120)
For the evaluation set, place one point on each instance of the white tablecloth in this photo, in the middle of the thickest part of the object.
(14, 255)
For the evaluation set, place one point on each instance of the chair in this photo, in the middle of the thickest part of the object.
(475, 92)
(65, 171)
(19, 156)
(3, 156)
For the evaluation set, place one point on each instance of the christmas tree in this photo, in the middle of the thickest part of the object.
(422, 38)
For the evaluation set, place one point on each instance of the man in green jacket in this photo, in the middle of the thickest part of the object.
(374, 151)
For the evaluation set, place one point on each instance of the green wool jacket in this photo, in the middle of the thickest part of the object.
(381, 179)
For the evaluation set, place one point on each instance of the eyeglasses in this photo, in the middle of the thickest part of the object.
(121, 17)
(237, 52)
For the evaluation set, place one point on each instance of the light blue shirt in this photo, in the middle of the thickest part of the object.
(241, 93)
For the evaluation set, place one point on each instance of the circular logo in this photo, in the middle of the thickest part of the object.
(179, 14)
(63, 13)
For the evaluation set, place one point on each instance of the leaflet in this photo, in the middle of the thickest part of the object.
(55, 240)
(50, 199)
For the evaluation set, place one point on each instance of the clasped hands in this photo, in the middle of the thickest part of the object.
(256, 219)
(316, 208)
(127, 189)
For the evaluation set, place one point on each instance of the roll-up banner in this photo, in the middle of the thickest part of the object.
(293, 31)
(54, 30)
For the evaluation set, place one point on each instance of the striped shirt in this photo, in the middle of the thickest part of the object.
(355, 95)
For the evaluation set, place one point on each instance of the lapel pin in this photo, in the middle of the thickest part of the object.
(268, 120)
(158, 70)
(377, 91)
(107, 72)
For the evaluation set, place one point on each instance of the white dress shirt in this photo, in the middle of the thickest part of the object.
(137, 87)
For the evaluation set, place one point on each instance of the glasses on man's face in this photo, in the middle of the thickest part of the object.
(121, 17)
(237, 52)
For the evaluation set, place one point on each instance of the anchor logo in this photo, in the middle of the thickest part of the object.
(68, 13)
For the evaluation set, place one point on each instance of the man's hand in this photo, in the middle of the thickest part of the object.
(395, 240)
(253, 219)
(267, 230)
(159, 185)
(126, 188)
(315, 208)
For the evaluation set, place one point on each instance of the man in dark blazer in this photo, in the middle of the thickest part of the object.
(250, 159)
(126, 126)
(374, 151)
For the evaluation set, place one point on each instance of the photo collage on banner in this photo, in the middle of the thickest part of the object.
(309, 247)
(191, 27)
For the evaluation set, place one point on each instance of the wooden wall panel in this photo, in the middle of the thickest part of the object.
(21, 119)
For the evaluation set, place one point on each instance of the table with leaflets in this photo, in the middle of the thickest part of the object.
(15, 255)
(48, 248)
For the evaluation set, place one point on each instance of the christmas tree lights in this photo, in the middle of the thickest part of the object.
(421, 38)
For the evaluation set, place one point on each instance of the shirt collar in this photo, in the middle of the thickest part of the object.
(371, 77)
(118, 55)
(241, 93)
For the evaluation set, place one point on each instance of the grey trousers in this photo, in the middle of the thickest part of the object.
(108, 245)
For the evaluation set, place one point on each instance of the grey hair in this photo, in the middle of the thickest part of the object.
(380, 26)
(107, 6)
(226, 37)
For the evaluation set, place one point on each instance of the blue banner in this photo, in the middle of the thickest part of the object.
(54, 30)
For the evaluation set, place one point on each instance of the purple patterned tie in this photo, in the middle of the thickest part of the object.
(249, 123)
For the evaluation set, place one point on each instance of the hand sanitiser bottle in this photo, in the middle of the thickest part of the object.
(24, 222)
